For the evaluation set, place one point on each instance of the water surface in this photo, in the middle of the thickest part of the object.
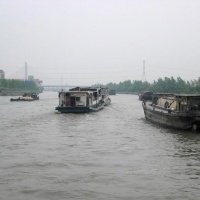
(111, 154)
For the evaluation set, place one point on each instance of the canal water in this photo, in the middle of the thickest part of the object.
(112, 154)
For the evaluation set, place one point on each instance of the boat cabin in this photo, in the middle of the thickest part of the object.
(86, 97)
(80, 98)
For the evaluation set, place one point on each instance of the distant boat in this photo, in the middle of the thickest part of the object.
(27, 97)
(112, 92)
(180, 111)
(83, 100)
(146, 96)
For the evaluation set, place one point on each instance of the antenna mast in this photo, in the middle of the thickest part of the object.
(143, 74)
(26, 71)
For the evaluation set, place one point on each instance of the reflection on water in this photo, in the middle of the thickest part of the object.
(112, 154)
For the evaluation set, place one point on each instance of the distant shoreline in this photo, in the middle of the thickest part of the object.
(16, 93)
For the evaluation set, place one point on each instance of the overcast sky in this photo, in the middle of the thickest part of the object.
(83, 42)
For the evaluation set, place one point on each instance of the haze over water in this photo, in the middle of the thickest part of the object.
(112, 154)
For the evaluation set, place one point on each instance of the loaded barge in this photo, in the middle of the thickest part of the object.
(179, 111)
(27, 97)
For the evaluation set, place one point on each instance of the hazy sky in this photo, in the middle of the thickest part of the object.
(83, 42)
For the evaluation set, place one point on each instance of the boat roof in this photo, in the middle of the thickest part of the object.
(178, 95)
(75, 92)
(83, 89)
(187, 95)
(160, 93)
(87, 88)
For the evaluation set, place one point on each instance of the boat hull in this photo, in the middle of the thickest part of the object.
(27, 97)
(166, 118)
(75, 109)
(24, 99)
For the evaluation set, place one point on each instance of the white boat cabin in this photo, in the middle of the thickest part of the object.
(86, 97)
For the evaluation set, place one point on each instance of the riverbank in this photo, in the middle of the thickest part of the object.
(17, 93)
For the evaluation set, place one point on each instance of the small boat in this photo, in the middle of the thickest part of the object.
(27, 97)
(179, 111)
(112, 92)
(83, 100)
(145, 96)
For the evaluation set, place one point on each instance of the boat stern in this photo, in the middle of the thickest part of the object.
(73, 109)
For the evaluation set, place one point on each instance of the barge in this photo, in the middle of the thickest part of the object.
(179, 111)
(83, 100)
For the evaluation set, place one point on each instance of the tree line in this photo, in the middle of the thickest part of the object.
(18, 85)
(165, 85)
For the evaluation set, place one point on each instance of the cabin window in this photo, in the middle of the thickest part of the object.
(95, 96)
(195, 103)
(80, 101)
(78, 98)
(73, 102)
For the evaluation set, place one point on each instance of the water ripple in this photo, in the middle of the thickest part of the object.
(111, 154)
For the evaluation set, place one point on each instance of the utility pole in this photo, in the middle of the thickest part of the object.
(143, 74)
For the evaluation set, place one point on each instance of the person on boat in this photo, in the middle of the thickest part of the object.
(63, 104)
